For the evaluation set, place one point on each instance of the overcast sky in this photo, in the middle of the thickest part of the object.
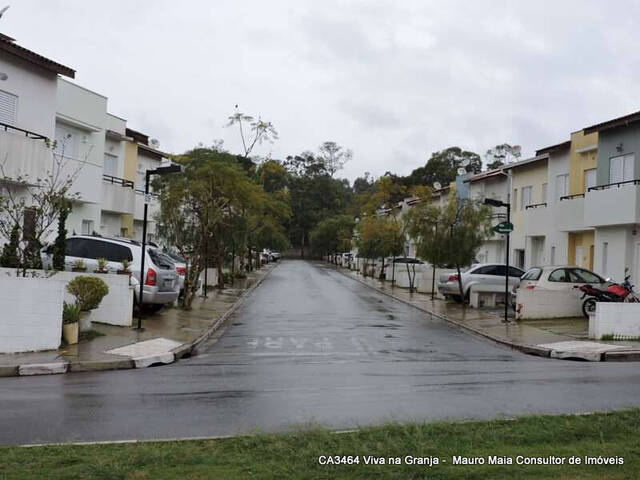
(392, 80)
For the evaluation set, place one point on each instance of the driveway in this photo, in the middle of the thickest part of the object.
(311, 346)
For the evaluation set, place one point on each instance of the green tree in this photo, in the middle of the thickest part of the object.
(502, 154)
(334, 157)
(467, 225)
(252, 132)
(10, 257)
(332, 235)
(379, 236)
(59, 246)
(442, 167)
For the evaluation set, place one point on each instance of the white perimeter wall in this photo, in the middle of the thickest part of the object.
(619, 319)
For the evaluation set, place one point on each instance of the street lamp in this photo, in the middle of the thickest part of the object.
(158, 171)
(506, 228)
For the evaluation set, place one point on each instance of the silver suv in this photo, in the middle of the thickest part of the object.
(161, 281)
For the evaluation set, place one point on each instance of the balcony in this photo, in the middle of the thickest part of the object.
(118, 195)
(568, 213)
(24, 155)
(612, 204)
(536, 220)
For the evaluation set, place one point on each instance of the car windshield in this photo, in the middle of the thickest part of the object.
(160, 259)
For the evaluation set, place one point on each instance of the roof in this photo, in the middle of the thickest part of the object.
(484, 175)
(616, 122)
(526, 162)
(554, 148)
(8, 45)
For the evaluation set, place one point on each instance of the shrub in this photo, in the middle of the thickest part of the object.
(125, 265)
(89, 292)
(79, 265)
(10, 257)
(70, 313)
(102, 264)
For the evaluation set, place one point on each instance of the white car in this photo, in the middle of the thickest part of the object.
(161, 283)
(560, 278)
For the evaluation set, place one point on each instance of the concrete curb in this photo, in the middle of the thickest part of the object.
(528, 349)
(631, 355)
(171, 356)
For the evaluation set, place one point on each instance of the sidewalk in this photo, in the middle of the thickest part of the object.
(166, 336)
(559, 338)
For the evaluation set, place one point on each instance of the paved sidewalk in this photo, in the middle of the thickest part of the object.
(166, 336)
(533, 337)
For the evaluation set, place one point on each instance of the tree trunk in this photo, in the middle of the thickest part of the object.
(460, 284)
(302, 246)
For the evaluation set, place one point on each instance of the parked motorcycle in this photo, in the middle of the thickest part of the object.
(616, 292)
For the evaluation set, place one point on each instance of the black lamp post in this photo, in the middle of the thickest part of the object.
(499, 203)
(158, 171)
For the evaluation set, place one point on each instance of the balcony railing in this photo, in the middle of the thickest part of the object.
(117, 181)
(36, 136)
(535, 205)
(615, 184)
(572, 197)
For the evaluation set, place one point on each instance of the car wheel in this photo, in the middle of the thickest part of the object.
(589, 307)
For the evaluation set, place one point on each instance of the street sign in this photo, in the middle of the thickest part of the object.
(503, 227)
(148, 198)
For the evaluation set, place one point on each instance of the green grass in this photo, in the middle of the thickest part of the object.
(295, 455)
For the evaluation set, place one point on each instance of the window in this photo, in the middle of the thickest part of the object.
(605, 255)
(486, 270)
(559, 275)
(553, 255)
(115, 253)
(8, 108)
(589, 179)
(544, 193)
(621, 168)
(87, 227)
(580, 275)
(110, 164)
(515, 199)
(532, 274)
(525, 197)
(562, 186)
(515, 272)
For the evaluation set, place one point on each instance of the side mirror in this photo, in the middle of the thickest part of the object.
(608, 279)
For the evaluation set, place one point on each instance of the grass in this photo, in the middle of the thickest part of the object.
(90, 335)
(295, 455)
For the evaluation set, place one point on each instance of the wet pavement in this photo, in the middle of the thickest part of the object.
(311, 345)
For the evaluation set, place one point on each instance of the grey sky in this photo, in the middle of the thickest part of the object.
(392, 80)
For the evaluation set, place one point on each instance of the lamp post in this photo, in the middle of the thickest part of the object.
(158, 171)
(505, 228)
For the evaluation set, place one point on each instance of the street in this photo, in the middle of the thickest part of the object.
(311, 346)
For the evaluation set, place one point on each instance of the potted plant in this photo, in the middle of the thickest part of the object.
(79, 266)
(102, 266)
(70, 318)
(125, 268)
(88, 292)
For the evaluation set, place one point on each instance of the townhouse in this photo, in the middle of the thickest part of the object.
(106, 160)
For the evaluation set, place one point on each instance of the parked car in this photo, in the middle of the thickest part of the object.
(181, 268)
(477, 274)
(562, 278)
(406, 260)
(161, 281)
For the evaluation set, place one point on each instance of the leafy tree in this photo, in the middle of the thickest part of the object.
(363, 185)
(334, 156)
(260, 131)
(59, 246)
(272, 176)
(502, 154)
(332, 235)
(10, 257)
(442, 167)
(379, 237)
(467, 225)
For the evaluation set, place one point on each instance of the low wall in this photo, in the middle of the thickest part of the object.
(539, 303)
(31, 316)
(622, 320)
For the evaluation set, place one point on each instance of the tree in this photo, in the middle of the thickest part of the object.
(442, 167)
(33, 204)
(363, 185)
(379, 237)
(260, 131)
(332, 235)
(10, 257)
(334, 156)
(59, 246)
(272, 176)
(467, 225)
(502, 154)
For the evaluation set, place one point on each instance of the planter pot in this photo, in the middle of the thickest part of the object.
(101, 271)
(85, 322)
(70, 333)
(78, 269)
(123, 272)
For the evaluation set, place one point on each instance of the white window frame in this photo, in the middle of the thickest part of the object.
(545, 192)
(8, 107)
(562, 186)
(89, 224)
(625, 168)
(591, 172)
(111, 158)
(526, 197)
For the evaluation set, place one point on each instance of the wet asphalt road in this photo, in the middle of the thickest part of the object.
(311, 345)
